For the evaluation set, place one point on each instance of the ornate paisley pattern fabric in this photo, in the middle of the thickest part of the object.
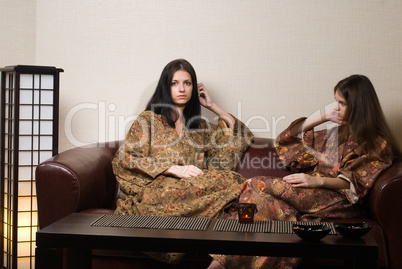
(318, 154)
(151, 146)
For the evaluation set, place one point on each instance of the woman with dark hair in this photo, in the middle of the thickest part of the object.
(332, 170)
(175, 163)
(161, 101)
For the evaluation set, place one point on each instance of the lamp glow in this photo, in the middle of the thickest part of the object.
(29, 135)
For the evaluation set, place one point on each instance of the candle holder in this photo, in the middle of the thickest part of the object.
(246, 212)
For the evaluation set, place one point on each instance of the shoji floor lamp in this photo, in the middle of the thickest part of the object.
(29, 135)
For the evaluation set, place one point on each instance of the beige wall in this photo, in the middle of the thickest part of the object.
(17, 32)
(267, 62)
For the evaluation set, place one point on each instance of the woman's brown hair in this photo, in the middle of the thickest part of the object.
(364, 115)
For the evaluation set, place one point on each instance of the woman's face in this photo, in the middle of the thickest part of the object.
(340, 106)
(181, 88)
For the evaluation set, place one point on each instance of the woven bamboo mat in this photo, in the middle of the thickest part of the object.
(152, 222)
(260, 226)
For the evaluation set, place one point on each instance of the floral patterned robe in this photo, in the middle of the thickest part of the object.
(318, 154)
(151, 146)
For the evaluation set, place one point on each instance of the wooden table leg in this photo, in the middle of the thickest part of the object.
(48, 258)
(79, 258)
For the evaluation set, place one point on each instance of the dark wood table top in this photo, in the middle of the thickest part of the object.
(75, 231)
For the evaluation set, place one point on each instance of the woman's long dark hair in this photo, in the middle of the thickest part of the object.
(161, 101)
(364, 115)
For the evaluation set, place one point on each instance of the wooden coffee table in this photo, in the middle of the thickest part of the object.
(76, 234)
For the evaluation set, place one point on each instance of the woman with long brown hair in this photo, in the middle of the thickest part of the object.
(332, 170)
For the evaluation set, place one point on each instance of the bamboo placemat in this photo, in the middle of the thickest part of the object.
(261, 226)
(152, 222)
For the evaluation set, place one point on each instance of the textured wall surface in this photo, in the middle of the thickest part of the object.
(266, 62)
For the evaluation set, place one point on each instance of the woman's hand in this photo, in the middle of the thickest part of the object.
(206, 101)
(203, 94)
(181, 171)
(303, 180)
(332, 115)
(307, 181)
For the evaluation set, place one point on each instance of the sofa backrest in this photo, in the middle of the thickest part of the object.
(261, 159)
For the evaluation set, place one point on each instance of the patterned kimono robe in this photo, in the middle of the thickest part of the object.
(320, 155)
(151, 146)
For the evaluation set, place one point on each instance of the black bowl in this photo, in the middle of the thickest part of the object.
(352, 230)
(311, 232)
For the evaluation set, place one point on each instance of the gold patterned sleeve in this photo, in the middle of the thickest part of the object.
(361, 169)
(134, 153)
(226, 145)
(298, 153)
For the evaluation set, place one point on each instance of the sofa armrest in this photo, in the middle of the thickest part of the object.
(385, 200)
(75, 180)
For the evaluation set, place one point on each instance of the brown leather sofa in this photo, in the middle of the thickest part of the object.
(81, 180)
